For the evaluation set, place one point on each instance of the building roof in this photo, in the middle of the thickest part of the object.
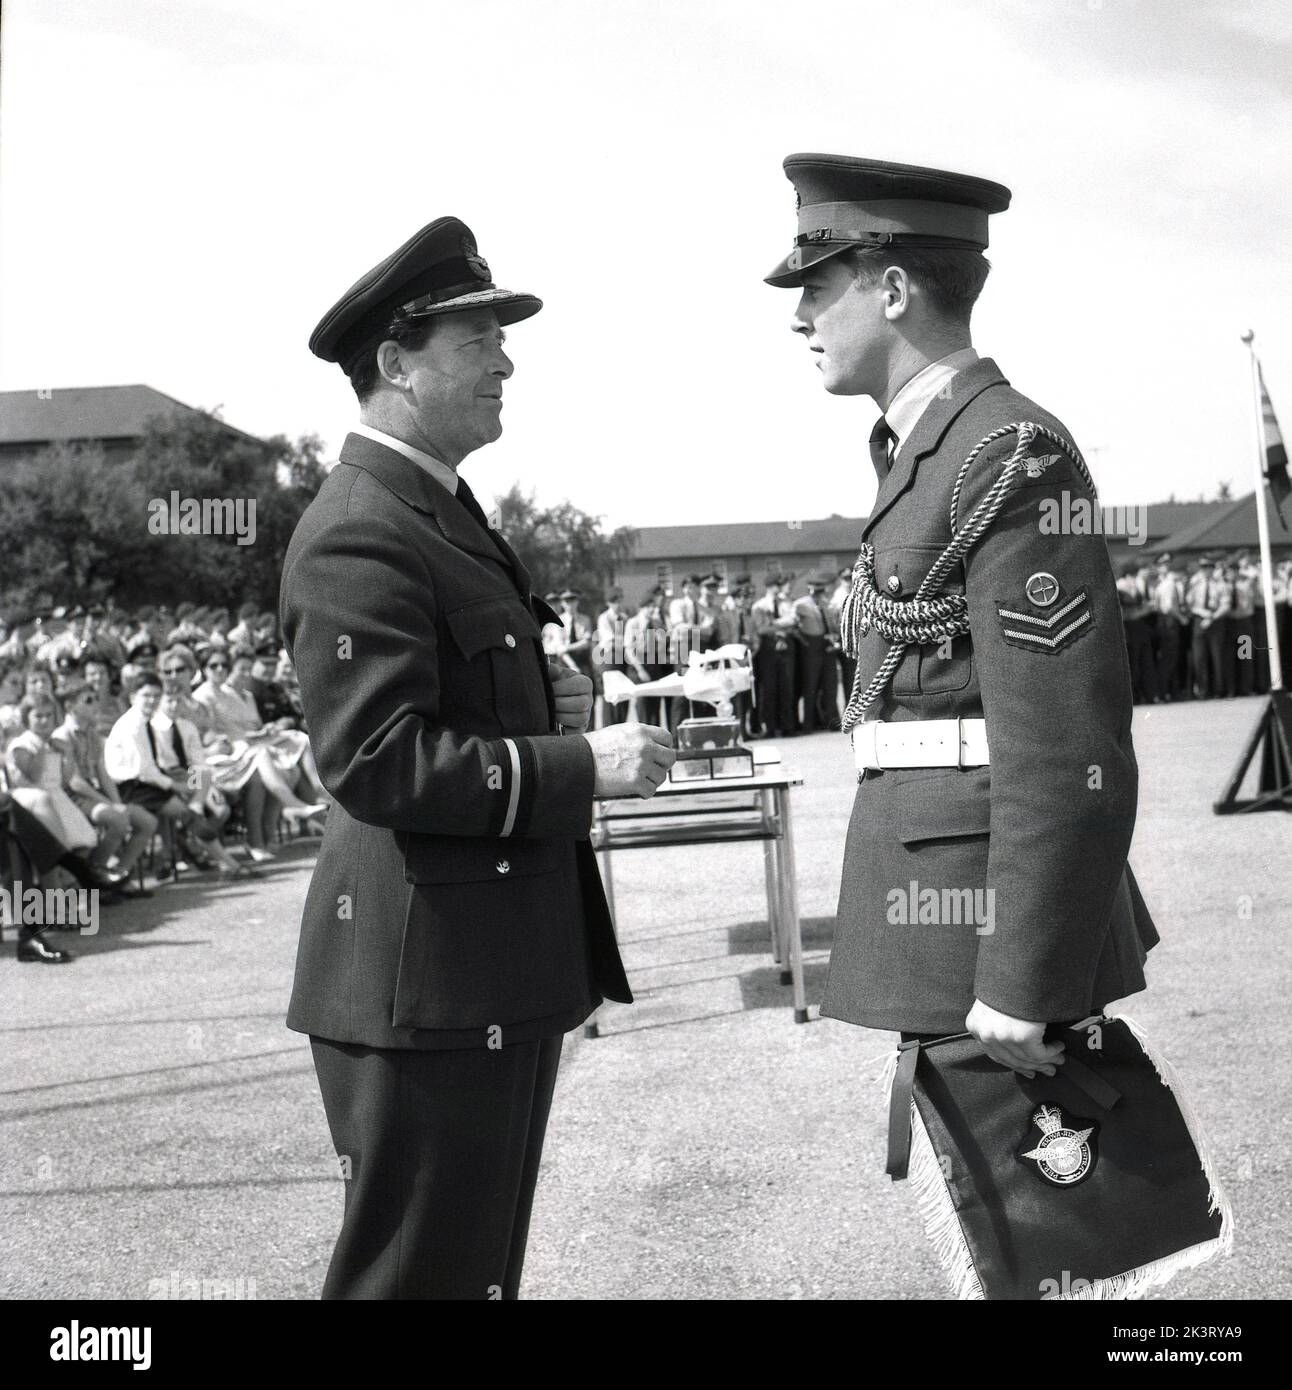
(1164, 518)
(738, 538)
(86, 412)
(1232, 526)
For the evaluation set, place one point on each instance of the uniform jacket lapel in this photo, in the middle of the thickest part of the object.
(929, 430)
(419, 490)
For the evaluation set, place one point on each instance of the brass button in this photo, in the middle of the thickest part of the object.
(502, 866)
(894, 584)
(510, 640)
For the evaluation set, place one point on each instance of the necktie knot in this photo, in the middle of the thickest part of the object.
(882, 439)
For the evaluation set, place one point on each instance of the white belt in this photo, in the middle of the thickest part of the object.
(877, 745)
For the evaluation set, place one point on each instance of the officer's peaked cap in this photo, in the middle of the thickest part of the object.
(436, 271)
(844, 203)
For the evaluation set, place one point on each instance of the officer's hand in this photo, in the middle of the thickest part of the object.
(1013, 1042)
(632, 759)
(573, 692)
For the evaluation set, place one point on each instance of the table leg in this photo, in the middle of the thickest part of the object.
(773, 904)
(772, 883)
(590, 1027)
(793, 927)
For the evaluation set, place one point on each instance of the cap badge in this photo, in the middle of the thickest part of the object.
(1042, 589)
(478, 264)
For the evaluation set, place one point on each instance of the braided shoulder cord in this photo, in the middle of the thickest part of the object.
(929, 617)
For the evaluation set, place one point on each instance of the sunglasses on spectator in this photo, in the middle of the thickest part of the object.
(217, 665)
(174, 671)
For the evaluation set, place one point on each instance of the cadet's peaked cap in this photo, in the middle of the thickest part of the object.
(437, 271)
(844, 203)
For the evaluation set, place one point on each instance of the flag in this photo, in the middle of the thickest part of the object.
(1276, 457)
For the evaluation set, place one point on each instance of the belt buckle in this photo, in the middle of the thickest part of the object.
(960, 742)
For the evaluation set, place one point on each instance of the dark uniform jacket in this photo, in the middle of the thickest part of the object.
(1047, 826)
(455, 890)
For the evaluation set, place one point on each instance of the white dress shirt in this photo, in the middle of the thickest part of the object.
(905, 409)
(440, 471)
(127, 754)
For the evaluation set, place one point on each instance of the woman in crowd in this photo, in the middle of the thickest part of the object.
(279, 755)
(97, 674)
(12, 689)
(235, 773)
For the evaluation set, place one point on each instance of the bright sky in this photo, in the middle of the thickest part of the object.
(186, 187)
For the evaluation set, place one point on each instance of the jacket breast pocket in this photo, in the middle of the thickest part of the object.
(493, 934)
(933, 668)
(499, 640)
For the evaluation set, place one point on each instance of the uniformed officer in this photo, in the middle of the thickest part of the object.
(574, 647)
(1244, 635)
(1137, 629)
(818, 634)
(1166, 595)
(455, 925)
(991, 672)
(771, 622)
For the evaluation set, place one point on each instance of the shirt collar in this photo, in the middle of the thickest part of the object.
(440, 471)
(905, 409)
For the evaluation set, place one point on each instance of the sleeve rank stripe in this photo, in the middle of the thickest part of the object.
(1049, 622)
(513, 793)
(1049, 641)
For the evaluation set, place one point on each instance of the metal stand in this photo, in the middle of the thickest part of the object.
(1273, 736)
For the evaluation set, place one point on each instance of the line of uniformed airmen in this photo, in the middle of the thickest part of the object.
(798, 662)
(1199, 632)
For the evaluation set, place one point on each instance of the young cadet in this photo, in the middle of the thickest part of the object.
(991, 705)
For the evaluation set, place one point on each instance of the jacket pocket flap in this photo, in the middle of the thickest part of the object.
(942, 807)
(493, 622)
(470, 859)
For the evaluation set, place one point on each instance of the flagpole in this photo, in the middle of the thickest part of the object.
(1263, 521)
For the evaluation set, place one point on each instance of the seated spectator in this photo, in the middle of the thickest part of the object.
(12, 689)
(130, 678)
(141, 650)
(243, 633)
(276, 752)
(39, 682)
(38, 783)
(97, 674)
(130, 755)
(125, 831)
(233, 772)
(285, 676)
(276, 704)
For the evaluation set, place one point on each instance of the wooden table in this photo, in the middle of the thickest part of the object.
(715, 812)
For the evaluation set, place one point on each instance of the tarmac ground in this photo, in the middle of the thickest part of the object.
(161, 1130)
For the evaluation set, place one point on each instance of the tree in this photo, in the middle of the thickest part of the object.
(77, 529)
(562, 546)
(1224, 493)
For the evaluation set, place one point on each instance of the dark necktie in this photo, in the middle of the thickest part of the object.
(152, 742)
(881, 440)
(177, 744)
(468, 500)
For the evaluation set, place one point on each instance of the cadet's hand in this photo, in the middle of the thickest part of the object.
(573, 692)
(632, 759)
(1013, 1042)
